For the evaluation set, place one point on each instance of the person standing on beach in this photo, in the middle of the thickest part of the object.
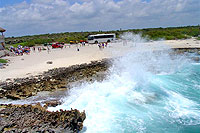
(99, 46)
(106, 44)
(48, 49)
(102, 45)
(39, 49)
(33, 48)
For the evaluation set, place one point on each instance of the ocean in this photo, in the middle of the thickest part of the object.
(146, 92)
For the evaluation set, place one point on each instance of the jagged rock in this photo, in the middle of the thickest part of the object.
(196, 59)
(29, 118)
(9, 96)
(191, 50)
(52, 103)
(51, 80)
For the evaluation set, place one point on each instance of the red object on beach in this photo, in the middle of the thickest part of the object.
(83, 41)
(57, 45)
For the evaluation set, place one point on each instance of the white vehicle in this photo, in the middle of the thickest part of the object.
(101, 38)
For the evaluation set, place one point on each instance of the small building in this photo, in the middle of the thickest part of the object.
(2, 39)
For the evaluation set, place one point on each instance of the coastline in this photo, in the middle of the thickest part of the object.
(60, 78)
(53, 79)
(58, 74)
(38, 62)
(37, 117)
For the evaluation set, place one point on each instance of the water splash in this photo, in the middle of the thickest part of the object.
(148, 90)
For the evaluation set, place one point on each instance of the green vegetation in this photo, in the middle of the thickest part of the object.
(172, 33)
(3, 61)
(169, 33)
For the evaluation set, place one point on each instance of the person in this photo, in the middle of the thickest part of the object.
(48, 49)
(19, 46)
(27, 50)
(34, 48)
(99, 46)
(11, 48)
(39, 49)
(102, 45)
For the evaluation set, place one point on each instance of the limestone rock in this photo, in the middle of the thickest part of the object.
(35, 118)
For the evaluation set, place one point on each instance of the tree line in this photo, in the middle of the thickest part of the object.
(169, 33)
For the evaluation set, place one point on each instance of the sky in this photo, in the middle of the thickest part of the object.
(29, 17)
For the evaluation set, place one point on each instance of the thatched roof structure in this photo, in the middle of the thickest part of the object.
(2, 30)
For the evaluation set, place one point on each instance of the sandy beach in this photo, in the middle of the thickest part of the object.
(36, 62)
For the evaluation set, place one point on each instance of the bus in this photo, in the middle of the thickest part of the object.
(101, 38)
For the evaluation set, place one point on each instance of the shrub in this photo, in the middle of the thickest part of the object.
(169, 37)
(3, 61)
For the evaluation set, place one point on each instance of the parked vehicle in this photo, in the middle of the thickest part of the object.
(98, 38)
(73, 42)
(57, 45)
(83, 41)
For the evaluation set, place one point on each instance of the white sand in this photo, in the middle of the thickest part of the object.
(188, 43)
(35, 63)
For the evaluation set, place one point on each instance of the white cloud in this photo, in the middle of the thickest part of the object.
(43, 16)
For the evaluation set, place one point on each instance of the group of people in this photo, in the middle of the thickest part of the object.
(39, 49)
(102, 45)
(20, 50)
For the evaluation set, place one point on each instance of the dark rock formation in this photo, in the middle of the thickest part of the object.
(35, 118)
(186, 50)
(54, 79)
(53, 103)
(197, 59)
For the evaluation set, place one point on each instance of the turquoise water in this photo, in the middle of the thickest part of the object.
(146, 92)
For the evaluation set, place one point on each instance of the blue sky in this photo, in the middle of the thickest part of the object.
(52, 16)
(4, 3)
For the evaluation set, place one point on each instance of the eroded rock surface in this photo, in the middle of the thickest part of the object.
(35, 118)
(54, 79)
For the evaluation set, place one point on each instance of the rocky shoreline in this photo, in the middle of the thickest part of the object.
(35, 118)
(54, 79)
(60, 78)
(194, 51)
